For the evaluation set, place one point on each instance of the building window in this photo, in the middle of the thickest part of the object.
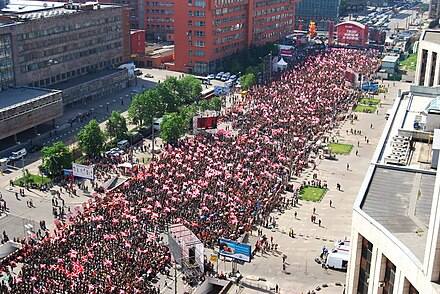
(365, 265)
(200, 3)
(390, 273)
(412, 290)
(199, 53)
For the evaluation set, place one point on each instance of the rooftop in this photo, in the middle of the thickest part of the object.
(85, 78)
(405, 156)
(22, 10)
(390, 58)
(432, 36)
(408, 205)
(13, 96)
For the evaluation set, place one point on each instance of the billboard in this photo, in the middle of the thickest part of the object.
(286, 51)
(207, 122)
(82, 171)
(235, 250)
(352, 33)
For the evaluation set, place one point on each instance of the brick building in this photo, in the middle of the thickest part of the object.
(209, 31)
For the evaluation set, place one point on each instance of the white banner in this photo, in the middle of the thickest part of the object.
(82, 171)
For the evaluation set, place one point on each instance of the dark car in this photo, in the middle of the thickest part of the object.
(35, 148)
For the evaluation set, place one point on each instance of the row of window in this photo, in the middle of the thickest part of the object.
(160, 4)
(234, 18)
(157, 11)
(67, 28)
(69, 57)
(29, 108)
(160, 27)
(229, 38)
(160, 19)
(273, 18)
(228, 29)
(266, 3)
(229, 9)
(75, 73)
(273, 10)
(198, 13)
(218, 3)
(274, 27)
(197, 23)
(197, 3)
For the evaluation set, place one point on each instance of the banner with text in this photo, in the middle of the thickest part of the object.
(82, 171)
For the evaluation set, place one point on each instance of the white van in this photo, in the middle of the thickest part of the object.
(18, 154)
(337, 260)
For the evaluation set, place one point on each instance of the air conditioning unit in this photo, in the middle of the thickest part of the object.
(381, 284)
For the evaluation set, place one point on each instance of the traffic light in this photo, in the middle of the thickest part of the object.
(312, 29)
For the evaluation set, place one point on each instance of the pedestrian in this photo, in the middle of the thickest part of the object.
(368, 141)
(319, 222)
(371, 126)
(358, 143)
(348, 166)
(357, 152)
(314, 210)
(331, 203)
(296, 214)
(276, 288)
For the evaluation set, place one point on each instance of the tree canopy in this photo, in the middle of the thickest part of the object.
(116, 125)
(173, 126)
(91, 139)
(145, 107)
(247, 81)
(55, 158)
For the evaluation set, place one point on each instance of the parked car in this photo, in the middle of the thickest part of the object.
(233, 78)
(123, 144)
(219, 75)
(35, 148)
(211, 76)
(148, 75)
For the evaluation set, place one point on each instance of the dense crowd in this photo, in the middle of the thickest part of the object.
(218, 185)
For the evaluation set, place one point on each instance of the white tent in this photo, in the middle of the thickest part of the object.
(282, 65)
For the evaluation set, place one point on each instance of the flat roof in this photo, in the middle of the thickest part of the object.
(432, 36)
(13, 95)
(404, 209)
(85, 78)
(390, 58)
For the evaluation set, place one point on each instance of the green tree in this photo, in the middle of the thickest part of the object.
(247, 81)
(189, 89)
(168, 91)
(55, 158)
(91, 139)
(173, 126)
(145, 107)
(116, 126)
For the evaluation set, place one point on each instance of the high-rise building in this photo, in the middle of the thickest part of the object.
(209, 31)
(319, 11)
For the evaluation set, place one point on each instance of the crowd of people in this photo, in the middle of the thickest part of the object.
(217, 185)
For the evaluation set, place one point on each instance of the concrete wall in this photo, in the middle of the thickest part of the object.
(27, 115)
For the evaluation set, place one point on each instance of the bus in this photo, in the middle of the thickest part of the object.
(207, 93)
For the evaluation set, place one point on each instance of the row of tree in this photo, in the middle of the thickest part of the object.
(176, 100)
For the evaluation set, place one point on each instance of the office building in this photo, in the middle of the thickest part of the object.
(319, 11)
(396, 216)
(70, 47)
(209, 31)
(428, 59)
